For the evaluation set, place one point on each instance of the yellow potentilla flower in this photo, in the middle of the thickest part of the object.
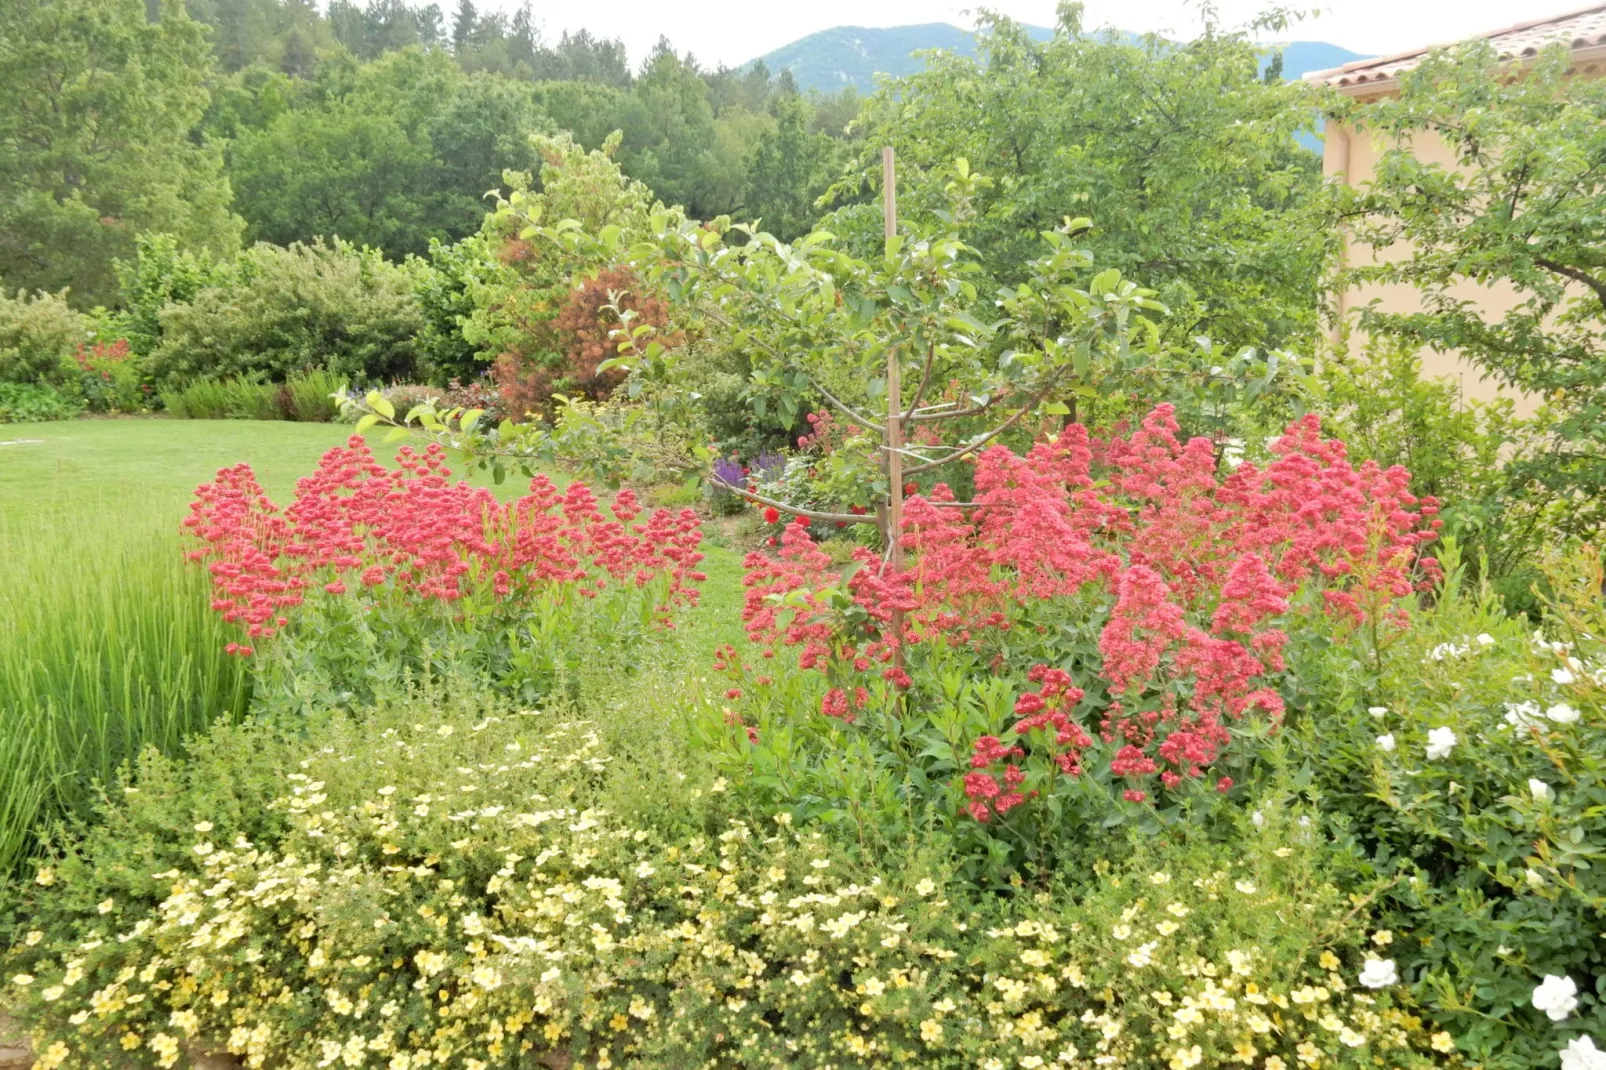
(52, 1056)
(925, 887)
(1328, 961)
(1309, 1054)
(166, 1049)
(46, 877)
(33, 938)
(1167, 927)
(1246, 887)
(1160, 878)
(1032, 1062)
(1350, 1038)
(53, 993)
(22, 980)
(204, 826)
(1382, 938)
(1275, 1062)
(874, 986)
(618, 1022)
(1442, 1042)
(931, 1031)
(129, 1041)
(1177, 910)
(1186, 1058)
(1121, 932)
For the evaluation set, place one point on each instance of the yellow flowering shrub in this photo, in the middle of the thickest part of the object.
(432, 889)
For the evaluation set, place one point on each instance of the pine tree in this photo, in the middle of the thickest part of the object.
(463, 25)
(522, 41)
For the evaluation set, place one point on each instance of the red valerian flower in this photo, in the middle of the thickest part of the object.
(413, 532)
(1194, 570)
(771, 514)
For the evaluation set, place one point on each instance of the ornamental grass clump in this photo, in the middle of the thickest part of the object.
(445, 884)
(1102, 632)
(375, 572)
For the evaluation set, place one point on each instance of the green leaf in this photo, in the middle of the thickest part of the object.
(368, 421)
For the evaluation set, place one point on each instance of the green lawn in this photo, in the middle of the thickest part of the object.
(154, 463)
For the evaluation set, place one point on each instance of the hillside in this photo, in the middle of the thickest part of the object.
(843, 56)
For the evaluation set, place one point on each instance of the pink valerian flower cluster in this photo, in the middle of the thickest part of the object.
(804, 572)
(1045, 723)
(356, 523)
(1197, 567)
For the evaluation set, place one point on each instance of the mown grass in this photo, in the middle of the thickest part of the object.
(107, 643)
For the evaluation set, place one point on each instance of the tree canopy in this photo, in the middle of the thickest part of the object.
(1182, 155)
(1522, 205)
(97, 140)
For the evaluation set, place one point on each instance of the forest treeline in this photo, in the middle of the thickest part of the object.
(230, 121)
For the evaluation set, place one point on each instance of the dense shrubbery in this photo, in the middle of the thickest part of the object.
(1467, 757)
(304, 396)
(39, 333)
(444, 883)
(284, 310)
(22, 403)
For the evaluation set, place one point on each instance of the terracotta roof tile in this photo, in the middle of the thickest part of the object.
(1581, 28)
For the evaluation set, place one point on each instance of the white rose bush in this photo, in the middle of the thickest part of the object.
(1484, 815)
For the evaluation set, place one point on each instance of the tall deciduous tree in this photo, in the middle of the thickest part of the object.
(1182, 156)
(1522, 204)
(95, 140)
(397, 152)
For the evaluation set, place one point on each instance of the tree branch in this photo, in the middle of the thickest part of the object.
(1577, 275)
(974, 410)
(995, 432)
(925, 380)
(847, 410)
(839, 518)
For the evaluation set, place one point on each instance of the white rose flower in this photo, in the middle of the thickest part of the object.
(1485, 639)
(1556, 996)
(1539, 790)
(1379, 973)
(1386, 741)
(1378, 711)
(1440, 742)
(1523, 714)
(1581, 1054)
(1562, 713)
(1258, 818)
(1562, 676)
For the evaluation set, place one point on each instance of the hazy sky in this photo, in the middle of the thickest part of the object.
(734, 31)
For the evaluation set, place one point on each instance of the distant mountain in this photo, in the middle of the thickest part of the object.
(1302, 57)
(844, 56)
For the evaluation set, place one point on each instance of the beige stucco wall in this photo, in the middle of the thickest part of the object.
(1350, 157)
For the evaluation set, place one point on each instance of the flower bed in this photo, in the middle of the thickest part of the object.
(434, 888)
(1101, 631)
(376, 570)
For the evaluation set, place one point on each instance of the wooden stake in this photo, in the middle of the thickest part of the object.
(894, 432)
